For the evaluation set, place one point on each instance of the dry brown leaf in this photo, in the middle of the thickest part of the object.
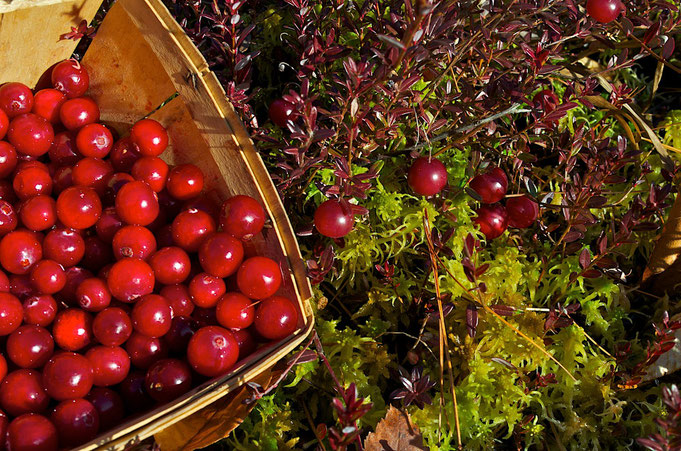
(663, 272)
(395, 432)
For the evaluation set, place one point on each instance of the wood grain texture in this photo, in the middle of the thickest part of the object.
(29, 35)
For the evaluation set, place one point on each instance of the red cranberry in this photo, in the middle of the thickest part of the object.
(427, 176)
(130, 278)
(76, 420)
(8, 218)
(123, 155)
(212, 351)
(7, 192)
(492, 220)
(490, 187)
(334, 218)
(64, 246)
(75, 275)
(185, 181)
(110, 365)
(206, 290)
(151, 170)
(38, 213)
(171, 265)
(281, 112)
(604, 11)
(522, 212)
(47, 103)
(97, 254)
(181, 331)
(21, 286)
(145, 351)
(71, 78)
(221, 254)
(134, 395)
(4, 422)
(190, 228)
(19, 251)
(31, 181)
(8, 159)
(108, 224)
(15, 99)
(3, 373)
(276, 318)
(109, 406)
(244, 338)
(40, 310)
(78, 112)
(4, 124)
(30, 134)
(242, 217)
(94, 140)
(168, 379)
(150, 136)
(235, 311)
(30, 346)
(72, 329)
(151, 316)
(179, 299)
(30, 432)
(63, 150)
(4, 282)
(259, 277)
(22, 392)
(93, 295)
(79, 207)
(136, 203)
(133, 241)
(67, 375)
(48, 277)
(92, 172)
(112, 326)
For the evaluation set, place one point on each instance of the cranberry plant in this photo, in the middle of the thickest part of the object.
(538, 327)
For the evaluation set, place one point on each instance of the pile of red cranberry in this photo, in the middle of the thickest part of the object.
(123, 286)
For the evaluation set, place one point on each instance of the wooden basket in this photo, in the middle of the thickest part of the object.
(139, 60)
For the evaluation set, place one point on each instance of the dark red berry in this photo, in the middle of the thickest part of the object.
(15, 99)
(40, 310)
(8, 159)
(130, 278)
(71, 78)
(47, 103)
(212, 351)
(259, 277)
(8, 218)
(136, 203)
(110, 365)
(235, 311)
(38, 213)
(190, 228)
(112, 326)
(334, 218)
(246, 342)
(123, 155)
(206, 289)
(150, 136)
(133, 241)
(427, 176)
(64, 246)
(151, 170)
(108, 224)
(145, 351)
(4, 123)
(151, 316)
(490, 187)
(93, 295)
(22, 392)
(171, 265)
(94, 173)
(168, 379)
(134, 394)
(522, 212)
(19, 251)
(109, 406)
(78, 112)
(604, 11)
(67, 375)
(48, 277)
(179, 299)
(79, 207)
(30, 432)
(63, 150)
(242, 217)
(76, 420)
(492, 220)
(221, 254)
(185, 181)
(276, 318)
(281, 112)
(94, 140)
(30, 134)
(182, 329)
(30, 346)
(72, 329)
(31, 181)
(75, 275)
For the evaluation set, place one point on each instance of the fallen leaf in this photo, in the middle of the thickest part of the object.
(663, 272)
(395, 432)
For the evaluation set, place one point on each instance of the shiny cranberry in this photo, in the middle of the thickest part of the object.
(179, 299)
(63, 150)
(4, 282)
(259, 277)
(334, 218)
(212, 351)
(244, 338)
(130, 278)
(8, 159)
(427, 176)
(40, 310)
(145, 351)
(492, 220)
(30, 432)
(30, 134)
(123, 155)
(604, 11)
(185, 181)
(4, 422)
(64, 246)
(22, 392)
(276, 318)
(67, 375)
(191, 227)
(19, 251)
(79, 207)
(181, 331)
(76, 420)
(108, 224)
(522, 212)
(48, 277)
(15, 99)
(94, 140)
(21, 286)
(38, 213)
(168, 379)
(109, 406)
(75, 275)
(490, 187)
(110, 365)
(72, 329)
(4, 124)
(281, 112)
(30, 346)
(112, 326)
(31, 181)
(93, 295)
(136, 203)
(63, 178)
(71, 78)
(235, 311)
(206, 290)
(151, 170)
(92, 172)
(151, 316)
(114, 182)
(47, 103)
(171, 265)
(150, 136)
(134, 394)
(221, 254)
(242, 217)
(8, 218)
(78, 112)
(133, 241)
(97, 254)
